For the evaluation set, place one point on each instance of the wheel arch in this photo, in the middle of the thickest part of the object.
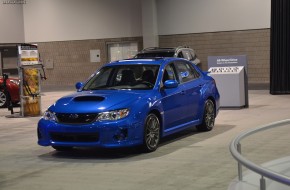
(5, 93)
(214, 103)
(202, 103)
(158, 114)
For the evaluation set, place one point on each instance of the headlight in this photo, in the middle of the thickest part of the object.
(48, 115)
(113, 115)
(15, 81)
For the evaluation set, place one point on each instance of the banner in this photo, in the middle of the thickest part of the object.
(31, 98)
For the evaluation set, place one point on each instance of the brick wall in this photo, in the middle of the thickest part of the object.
(253, 43)
(71, 59)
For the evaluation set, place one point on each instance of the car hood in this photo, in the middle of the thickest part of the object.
(97, 101)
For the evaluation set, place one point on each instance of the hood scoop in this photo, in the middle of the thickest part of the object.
(88, 99)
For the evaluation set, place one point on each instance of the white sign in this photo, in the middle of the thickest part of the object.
(28, 54)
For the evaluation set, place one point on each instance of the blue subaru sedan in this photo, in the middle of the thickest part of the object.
(132, 102)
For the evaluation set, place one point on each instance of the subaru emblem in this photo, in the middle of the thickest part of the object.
(73, 116)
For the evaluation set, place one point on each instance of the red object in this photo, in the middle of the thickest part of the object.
(12, 87)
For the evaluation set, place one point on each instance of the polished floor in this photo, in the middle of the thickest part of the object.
(189, 160)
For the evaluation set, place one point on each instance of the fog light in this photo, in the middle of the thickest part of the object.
(121, 135)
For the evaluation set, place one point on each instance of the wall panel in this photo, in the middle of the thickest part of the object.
(253, 43)
(61, 20)
(199, 16)
(71, 59)
(11, 23)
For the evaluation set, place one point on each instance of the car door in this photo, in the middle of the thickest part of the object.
(191, 89)
(172, 100)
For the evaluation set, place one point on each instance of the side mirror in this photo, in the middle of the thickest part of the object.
(79, 85)
(170, 84)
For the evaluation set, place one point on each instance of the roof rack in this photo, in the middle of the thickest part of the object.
(184, 46)
(155, 48)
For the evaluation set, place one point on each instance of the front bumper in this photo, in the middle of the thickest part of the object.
(122, 133)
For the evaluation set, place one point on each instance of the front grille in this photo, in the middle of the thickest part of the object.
(74, 137)
(71, 118)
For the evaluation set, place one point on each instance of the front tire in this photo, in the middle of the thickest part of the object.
(208, 117)
(151, 133)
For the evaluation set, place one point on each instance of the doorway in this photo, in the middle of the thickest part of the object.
(9, 60)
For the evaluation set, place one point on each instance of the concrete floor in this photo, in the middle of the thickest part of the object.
(187, 161)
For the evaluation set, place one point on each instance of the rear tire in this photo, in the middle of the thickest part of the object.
(151, 133)
(208, 117)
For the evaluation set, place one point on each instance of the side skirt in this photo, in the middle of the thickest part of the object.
(181, 127)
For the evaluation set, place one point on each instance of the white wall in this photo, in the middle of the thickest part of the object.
(11, 23)
(197, 16)
(149, 24)
(61, 20)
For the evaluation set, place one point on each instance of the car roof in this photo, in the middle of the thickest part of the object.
(163, 49)
(158, 49)
(153, 61)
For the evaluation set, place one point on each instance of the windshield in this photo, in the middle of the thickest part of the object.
(141, 77)
(154, 54)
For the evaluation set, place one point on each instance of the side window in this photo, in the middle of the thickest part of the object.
(169, 73)
(187, 55)
(180, 55)
(186, 72)
(192, 54)
(195, 72)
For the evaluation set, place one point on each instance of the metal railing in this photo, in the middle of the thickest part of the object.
(235, 149)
